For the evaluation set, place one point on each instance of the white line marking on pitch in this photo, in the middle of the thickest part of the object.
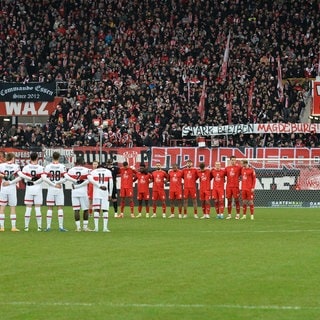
(158, 305)
(238, 231)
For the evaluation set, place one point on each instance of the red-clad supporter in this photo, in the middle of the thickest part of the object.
(127, 177)
(144, 178)
(248, 184)
(219, 176)
(159, 178)
(175, 190)
(204, 175)
(190, 176)
(233, 174)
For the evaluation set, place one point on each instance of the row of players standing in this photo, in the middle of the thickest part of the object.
(103, 181)
(55, 175)
(183, 186)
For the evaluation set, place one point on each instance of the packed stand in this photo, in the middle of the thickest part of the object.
(139, 67)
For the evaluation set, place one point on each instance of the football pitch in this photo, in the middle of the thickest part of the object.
(165, 269)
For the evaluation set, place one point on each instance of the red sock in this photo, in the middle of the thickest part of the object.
(122, 206)
(237, 206)
(229, 206)
(244, 209)
(131, 206)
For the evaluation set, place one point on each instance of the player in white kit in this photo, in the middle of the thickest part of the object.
(32, 175)
(101, 178)
(54, 176)
(9, 171)
(78, 175)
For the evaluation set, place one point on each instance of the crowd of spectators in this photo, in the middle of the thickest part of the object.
(139, 67)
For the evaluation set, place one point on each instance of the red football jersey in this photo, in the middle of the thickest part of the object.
(205, 179)
(159, 178)
(143, 180)
(248, 179)
(233, 176)
(218, 178)
(175, 178)
(190, 176)
(127, 176)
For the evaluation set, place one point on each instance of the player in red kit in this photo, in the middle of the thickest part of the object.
(205, 177)
(143, 194)
(175, 189)
(247, 187)
(190, 176)
(159, 177)
(233, 172)
(218, 175)
(127, 176)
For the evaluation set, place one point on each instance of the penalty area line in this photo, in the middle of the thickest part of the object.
(156, 305)
(239, 231)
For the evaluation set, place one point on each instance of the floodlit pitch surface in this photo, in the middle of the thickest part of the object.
(165, 269)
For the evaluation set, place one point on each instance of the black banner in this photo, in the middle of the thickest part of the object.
(22, 92)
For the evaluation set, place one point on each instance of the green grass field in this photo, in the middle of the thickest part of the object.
(165, 269)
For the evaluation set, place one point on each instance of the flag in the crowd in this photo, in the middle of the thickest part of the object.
(186, 80)
(201, 107)
(280, 84)
(225, 59)
(250, 96)
(189, 80)
(229, 109)
(286, 104)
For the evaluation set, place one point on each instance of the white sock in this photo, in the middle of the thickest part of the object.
(105, 220)
(13, 218)
(38, 216)
(96, 220)
(49, 218)
(2, 220)
(78, 224)
(60, 218)
(27, 216)
(85, 224)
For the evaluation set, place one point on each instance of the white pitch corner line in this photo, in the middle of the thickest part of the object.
(156, 305)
